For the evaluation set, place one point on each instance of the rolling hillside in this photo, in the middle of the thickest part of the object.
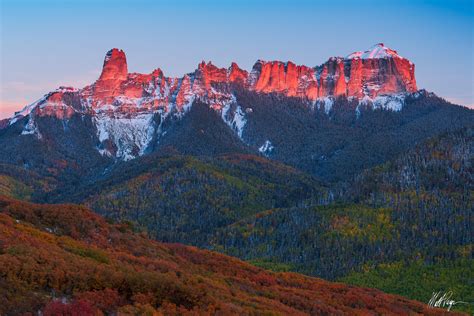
(64, 258)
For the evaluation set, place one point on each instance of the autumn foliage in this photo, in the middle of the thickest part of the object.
(65, 260)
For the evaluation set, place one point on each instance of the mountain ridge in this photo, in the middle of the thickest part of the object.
(119, 100)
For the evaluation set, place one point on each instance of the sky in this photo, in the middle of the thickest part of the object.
(49, 43)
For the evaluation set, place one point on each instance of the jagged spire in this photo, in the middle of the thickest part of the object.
(115, 65)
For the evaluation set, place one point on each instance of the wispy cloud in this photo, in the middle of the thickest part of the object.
(8, 108)
(14, 95)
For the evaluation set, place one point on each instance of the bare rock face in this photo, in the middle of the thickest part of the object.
(236, 74)
(286, 78)
(114, 73)
(379, 70)
(115, 66)
(207, 74)
(185, 92)
(331, 80)
(59, 103)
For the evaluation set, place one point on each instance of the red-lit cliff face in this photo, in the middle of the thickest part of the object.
(237, 75)
(140, 92)
(114, 73)
(285, 78)
(59, 103)
(377, 71)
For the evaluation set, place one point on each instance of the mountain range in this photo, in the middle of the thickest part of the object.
(312, 118)
(346, 171)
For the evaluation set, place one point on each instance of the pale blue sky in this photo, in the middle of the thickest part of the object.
(48, 43)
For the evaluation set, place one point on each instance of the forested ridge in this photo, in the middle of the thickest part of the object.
(412, 214)
(185, 199)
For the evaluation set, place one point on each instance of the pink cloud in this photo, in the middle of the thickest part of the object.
(8, 108)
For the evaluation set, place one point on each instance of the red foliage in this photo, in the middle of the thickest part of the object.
(144, 298)
(106, 300)
(75, 308)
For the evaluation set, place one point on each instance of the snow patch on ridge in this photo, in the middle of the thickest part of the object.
(390, 102)
(235, 119)
(239, 121)
(325, 103)
(131, 135)
(393, 103)
(41, 103)
(31, 128)
(266, 149)
(27, 110)
(328, 103)
(375, 52)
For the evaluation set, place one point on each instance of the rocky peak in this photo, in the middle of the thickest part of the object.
(236, 74)
(376, 71)
(157, 73)
(377, 51)
(114, 73)
(115, 65)
(207, 74)
(286, 78)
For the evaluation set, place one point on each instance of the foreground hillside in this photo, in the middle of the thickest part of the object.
(60, 258)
